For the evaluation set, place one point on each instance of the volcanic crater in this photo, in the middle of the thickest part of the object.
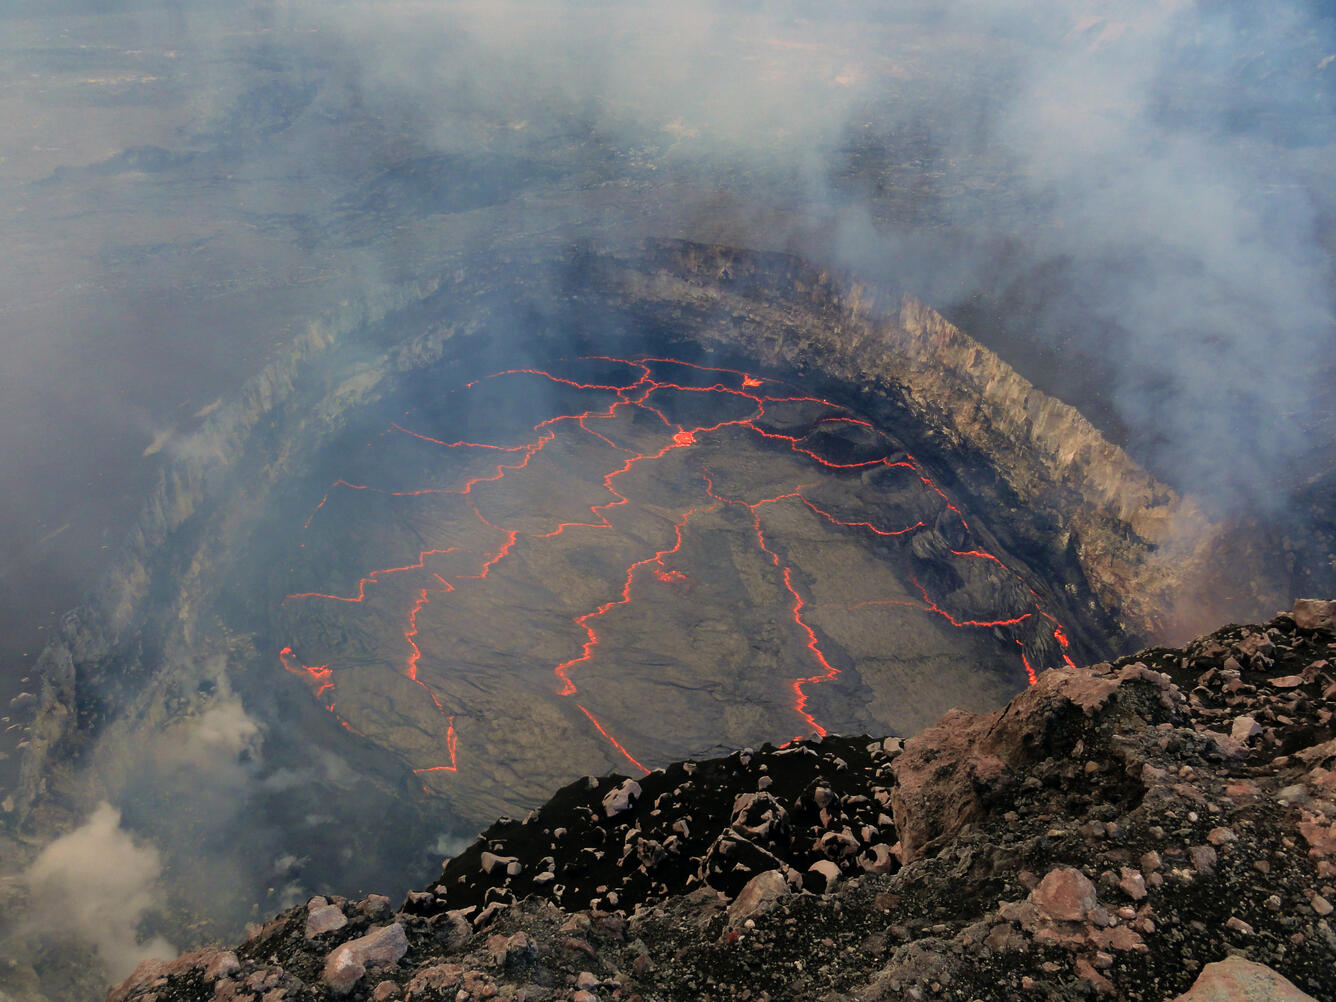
(658, 505)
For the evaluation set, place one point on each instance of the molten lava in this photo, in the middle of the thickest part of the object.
(647, 397)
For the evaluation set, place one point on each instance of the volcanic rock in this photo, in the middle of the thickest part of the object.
(323, 917)
(946, 774)
(1315, 614)
(346, 964)
(758, 896)
(1064, 894)
(621, 798)
(1235, 979)
(1245, 728)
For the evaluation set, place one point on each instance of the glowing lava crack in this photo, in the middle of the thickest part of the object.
(685, 459)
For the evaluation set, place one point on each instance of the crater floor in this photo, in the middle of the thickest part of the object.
(610, 564)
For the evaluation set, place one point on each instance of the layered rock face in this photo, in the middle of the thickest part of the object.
(1121, 831)
(1137, 541)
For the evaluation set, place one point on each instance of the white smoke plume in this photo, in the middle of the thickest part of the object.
(96, 883)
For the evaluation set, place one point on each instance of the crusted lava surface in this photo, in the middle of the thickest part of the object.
(1109, 833)
(503, 610)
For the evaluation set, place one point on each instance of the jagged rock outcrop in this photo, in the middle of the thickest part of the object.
(1123, 837)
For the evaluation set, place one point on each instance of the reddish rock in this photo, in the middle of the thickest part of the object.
(1238, 925)
(145, 972)
(758, 896)
(1065, 894)
(1318, 754)
(346, 964)
(435, 981)
(934, 792)
(212, 962)
(1314, 614)
(1086, 971)
(223, 963)
(829, 870)
(941, 770)
(375, 906)
(1203, 858)
(323, 918)
(1245, 729)
(1119, 937)
(1237, 980)
(1132, 883)
(1321, 837)
(878, 859)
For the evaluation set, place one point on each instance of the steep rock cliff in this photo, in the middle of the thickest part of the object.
(1137, 541)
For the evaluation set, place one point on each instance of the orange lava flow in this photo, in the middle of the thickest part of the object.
(934, 607)
(372, 577)
(586, 654)
(321, 675)
(459, 445)
(829, 672)
(860, 525)
(611, 740)
(981, 554)
(1026, 661)
(322, 679)
(451, 745)
(636, 393)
